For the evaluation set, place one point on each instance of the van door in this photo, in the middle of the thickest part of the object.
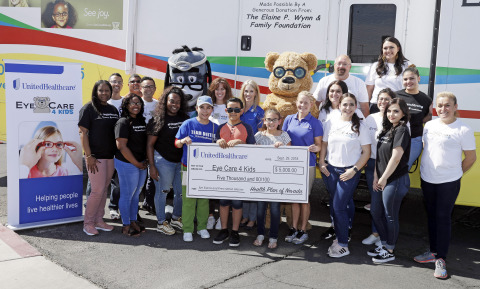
(278, 26)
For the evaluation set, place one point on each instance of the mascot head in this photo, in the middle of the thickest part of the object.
(190, 70)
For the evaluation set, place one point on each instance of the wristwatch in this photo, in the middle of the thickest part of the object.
(355, 169)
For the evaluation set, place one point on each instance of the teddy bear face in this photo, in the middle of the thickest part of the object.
(290, 73)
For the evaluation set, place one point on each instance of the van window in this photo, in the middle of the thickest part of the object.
(369, 25)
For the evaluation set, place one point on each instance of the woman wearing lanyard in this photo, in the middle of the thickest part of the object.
(442, 167)
(347, 144)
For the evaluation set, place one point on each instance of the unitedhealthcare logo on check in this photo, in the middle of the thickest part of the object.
(218, 155)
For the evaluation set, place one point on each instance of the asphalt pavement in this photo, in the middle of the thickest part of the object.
(64, 257)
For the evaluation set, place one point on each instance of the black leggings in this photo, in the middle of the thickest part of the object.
(439, 200)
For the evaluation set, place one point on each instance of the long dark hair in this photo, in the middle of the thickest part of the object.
(387, 126)
(328, 104)
(126, 102)
(382, 68)
(161, 109)
(355, 118)
(97, 104)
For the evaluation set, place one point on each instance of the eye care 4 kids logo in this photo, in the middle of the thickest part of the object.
(219, 155)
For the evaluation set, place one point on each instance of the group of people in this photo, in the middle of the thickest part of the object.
(377, 125)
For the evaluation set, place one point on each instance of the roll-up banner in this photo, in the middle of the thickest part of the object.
(44, 155)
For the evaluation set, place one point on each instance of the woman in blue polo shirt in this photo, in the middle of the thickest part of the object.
(304, 130)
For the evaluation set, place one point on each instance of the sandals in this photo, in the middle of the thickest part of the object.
(137, 227)
(129, 231)
(243, 223)
(249, 228)
(272, 243)
(259, 241)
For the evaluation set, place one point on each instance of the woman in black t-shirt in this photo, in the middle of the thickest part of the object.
(96, 123)
(391, 181)
(164, 158)
(131, 161)
(419, 107)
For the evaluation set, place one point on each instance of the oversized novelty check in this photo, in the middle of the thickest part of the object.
(248, 172)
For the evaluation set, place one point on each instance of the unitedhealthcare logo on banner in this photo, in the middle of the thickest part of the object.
(16, 84)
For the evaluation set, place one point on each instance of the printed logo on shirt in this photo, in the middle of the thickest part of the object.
(438, 134)
(174, 125)
(108, 116)
(138, 128)
(414, 107)
(202, 134)
(384, 139)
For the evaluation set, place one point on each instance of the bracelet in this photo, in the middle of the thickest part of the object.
(89, 156)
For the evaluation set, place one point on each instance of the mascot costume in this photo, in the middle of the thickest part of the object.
(190, 70)
(290, 74)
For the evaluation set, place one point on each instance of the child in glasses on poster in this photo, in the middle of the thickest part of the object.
(270, 134)
(59, 14)
(43, 155)
(230, 134)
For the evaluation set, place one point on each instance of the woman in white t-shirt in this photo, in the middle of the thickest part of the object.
(347, 143)
(331, 107)
(220, 92)
(441, 169)
(387, 71)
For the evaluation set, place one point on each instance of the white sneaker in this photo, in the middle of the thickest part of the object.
(187, 237)
(218, 226)
(204, 234)
(337, 251)
(372, 239)
(210, 222)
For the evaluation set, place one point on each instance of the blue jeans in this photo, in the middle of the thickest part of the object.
(341, 194)
(369, 173)
(385, 209)
(131, 183)
(416, 148)
(439, 200)
(350, 207)
(274, 218)
(168, 175)
(249, 210)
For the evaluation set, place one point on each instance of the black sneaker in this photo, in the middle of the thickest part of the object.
(375, 252)
(328, 234)
(234, 239)
(222, 236)
(291, 235)
(383, 257)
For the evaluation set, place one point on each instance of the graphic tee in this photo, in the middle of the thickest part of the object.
(203, 133)
(397, 137)
(101, 135)
(418, 107)
(239, 131)
(134, 130)
(165, 144)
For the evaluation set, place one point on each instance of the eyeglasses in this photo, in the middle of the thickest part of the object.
(134, 81)
(271, 119)
(299, 72)
(236, 110)
(148, 87)
(136, 103)
(116, 82)
(49, 144)
(58, 15)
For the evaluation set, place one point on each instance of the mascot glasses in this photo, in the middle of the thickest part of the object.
(280, 71)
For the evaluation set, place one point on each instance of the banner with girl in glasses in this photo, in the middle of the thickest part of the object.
(44, 155)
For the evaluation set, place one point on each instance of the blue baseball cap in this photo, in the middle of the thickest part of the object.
(204, 99)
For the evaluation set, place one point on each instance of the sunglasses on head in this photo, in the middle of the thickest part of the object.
(236, 110)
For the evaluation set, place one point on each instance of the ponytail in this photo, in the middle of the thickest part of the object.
(355, 123)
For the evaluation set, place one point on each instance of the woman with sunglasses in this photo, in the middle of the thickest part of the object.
(96, 123)
(131, 161)
(45, 153)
